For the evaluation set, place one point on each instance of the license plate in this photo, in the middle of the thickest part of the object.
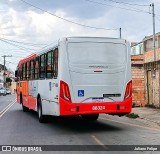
(98, 99)
(95, 108)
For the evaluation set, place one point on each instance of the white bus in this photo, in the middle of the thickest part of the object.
(84, 76)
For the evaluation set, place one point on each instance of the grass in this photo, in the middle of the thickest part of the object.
(132, 115)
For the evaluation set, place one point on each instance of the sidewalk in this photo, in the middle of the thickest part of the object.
(150, 115)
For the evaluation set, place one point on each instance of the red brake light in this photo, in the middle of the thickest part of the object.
(64, 91)
(128, 92)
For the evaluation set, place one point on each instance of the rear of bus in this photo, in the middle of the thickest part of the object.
(96, 77)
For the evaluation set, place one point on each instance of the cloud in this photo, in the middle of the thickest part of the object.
(44, 27)
(23, 23)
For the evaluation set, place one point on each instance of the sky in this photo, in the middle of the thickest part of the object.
(24, 29)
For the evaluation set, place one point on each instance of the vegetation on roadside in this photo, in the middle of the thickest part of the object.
(132, 115)
(9, 81)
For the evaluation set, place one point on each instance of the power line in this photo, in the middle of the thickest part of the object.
(127, 3)
(49, 44)
(73, 22)
(135, 10)
(17, 53)
(18, 46)
(20, 56)
(11, 62)
(3, 36)
(10, 49)
(26, 43)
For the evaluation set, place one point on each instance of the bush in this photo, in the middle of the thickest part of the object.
(132, 115)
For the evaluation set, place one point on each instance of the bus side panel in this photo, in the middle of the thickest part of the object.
(22, 88)
(25, 93)
(32, 102)
(48, 90)
(18, 89)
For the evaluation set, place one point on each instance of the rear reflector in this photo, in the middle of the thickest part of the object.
(128, 92)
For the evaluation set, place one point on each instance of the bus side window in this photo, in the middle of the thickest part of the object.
(28, 70)
(24, 71)
(55, 63)
(32, 70)
(42, 66)
(20, 73)
(49, 65)
(36, 68)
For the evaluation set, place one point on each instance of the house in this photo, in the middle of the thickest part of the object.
(8, 74)
(136, 48)
(152, 71)
(137, 61)
(1, 79)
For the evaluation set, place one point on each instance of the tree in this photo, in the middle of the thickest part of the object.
(2, 67)
(8, 80)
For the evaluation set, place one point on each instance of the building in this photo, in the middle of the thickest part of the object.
(136, 48)
(137, 61)
(8, 74)
(152, 71)
(1, 79)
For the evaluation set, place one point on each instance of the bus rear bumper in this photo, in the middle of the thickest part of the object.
(114, 108)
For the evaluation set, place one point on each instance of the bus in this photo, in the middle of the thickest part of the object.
(84, 76)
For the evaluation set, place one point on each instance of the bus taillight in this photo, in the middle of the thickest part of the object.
(128, 92)
(64, 91)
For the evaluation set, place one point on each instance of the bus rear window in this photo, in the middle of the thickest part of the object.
(96, 53)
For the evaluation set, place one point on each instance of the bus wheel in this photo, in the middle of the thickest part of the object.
(24, 108)
(41, 117)
(90, 117)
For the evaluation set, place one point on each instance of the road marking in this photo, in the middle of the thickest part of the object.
(129, 124)
(7, 108)
(99, 142)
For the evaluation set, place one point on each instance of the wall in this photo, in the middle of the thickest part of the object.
(148, 43)
(13, 87)
(149, 55)
(138, 79)
(154, 67)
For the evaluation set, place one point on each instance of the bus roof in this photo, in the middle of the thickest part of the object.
(76, 39)
(27, 58)
(48, 48)
(91, 38)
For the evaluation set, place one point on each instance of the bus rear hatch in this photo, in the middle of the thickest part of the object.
(97, 71)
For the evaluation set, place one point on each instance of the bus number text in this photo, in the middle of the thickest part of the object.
(98, 107)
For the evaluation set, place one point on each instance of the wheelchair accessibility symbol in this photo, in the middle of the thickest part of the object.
(80, 93)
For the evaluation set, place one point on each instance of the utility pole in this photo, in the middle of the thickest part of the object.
(4, 67)
(120, 32)
(154, 44)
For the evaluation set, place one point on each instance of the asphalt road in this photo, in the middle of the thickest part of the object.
(23, 128)
(6, 100)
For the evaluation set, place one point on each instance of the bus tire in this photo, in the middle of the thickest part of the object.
(41, 117)
(90, 117)
(24, 108)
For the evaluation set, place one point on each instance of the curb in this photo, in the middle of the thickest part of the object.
(157, 122)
